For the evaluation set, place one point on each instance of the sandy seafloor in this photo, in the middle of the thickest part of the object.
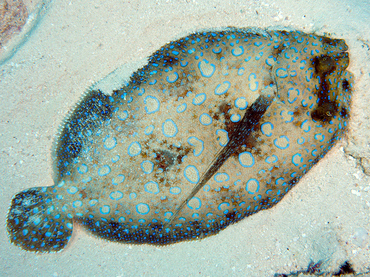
(326, 217)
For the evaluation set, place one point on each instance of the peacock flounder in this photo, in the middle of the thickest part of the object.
(216, 127)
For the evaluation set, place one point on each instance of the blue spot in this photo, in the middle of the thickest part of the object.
(149, 130)
(252, 186)
(105, 209)
(82, 169)
(104, 170)
(199, 99)
(199, 145)
(151, 187)
(118, 179)
(205, 119)
(222, 88)
(173, 78)
(147, 167)
(206, 69)
(297, 159)
(169, 128)
(191, 174)
(267, 128)
(246, 159)
(175, 190)
(282, 142)
(134, 149)
(152, 104)
(142, 208)
(181, 108)
(281, 72)
(116, 195)
(238, 52)
(221, 177)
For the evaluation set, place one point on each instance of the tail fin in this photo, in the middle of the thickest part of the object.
(35, 224)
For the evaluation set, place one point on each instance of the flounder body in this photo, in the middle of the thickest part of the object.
(216, 127)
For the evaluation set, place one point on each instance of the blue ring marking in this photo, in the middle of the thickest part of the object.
(81, 169)
(173, 78)
(134, 147)
(282, 147)
(147, 164)
(205, 119)
(104, 170)
(154, 104)
(314, 152)
(183, 63)
(93, 202)
(320, 137)
(142, 208)
(123, 115)
(271, 159)
(241, 103)
(297, 159)
(132, 195)
(221, 177)
(153, 82)
(258, 43)
(105, 209)
(301, 140)
(175, 190)
(222, 131)
(266, 129)
(191, 169)
(149, 130)
(305, 126)
(219, 90)
(197, 205)
(72, 190)
(207, 188)
(151, 187)
(252, 182)
(281, 73)
(235, 117)
(199, 99)
(141, 92)
(241, 51)
(116, 195)
(181, 108)
(115, 158)
(241, 71)
(169, 123)
(223, 205)
(121, 219)
(198, 142)
(255, 83)
(288, 92)
(109, 142)
(77, 204)
(118, 179)
(217, 51)
(209, 66)
(246, 155)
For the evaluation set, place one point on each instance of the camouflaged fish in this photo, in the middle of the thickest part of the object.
(216, 127)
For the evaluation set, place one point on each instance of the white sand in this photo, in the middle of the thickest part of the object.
(324, 218)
